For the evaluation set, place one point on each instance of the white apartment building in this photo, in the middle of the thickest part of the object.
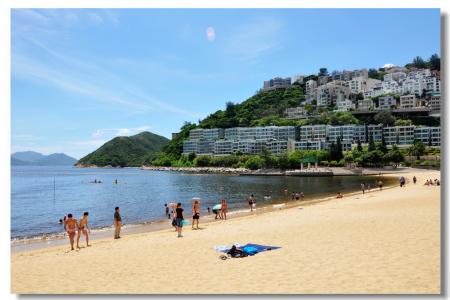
(360, 84)
(376, 131)
(206, 134)
(435, 103)
(309, 145)
(310, 86)
(408, 101)
(313, 132)
(394, 76)
(294, 113)
(413, 86)
(277, 82)
(386, 102)
(365, 104)
(344, 104)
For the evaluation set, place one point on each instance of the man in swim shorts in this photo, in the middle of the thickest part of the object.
(117, 223)
(195, 213)
(71, 225)
(83, 228)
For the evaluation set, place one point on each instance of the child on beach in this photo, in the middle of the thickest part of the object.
(72, 225)
(83, 229)
(251, 202)
(166, 209)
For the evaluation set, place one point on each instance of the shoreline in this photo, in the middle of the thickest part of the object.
(307, 172)
(57, 239)
(326, 248)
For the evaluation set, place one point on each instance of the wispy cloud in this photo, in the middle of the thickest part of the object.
(119, 131)
(251, 40)
(87, 78)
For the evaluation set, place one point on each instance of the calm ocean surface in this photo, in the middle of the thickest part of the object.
(40, 196)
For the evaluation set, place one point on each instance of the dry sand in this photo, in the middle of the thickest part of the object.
(380, 242)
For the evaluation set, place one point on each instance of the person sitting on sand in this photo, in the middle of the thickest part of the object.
(117, 223)
(83, 228)
(224, 209)
(251, 201)
(195, 213)
(179, 218)
(72, 225)
(426, 183)
(438, 183)
(339, 195)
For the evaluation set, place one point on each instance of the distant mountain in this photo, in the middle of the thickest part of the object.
(56, 159)
(126, 151)
(27, 156)
(31, 158)
(18, 162)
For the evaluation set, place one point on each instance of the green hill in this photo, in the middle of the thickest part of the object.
(126, 151)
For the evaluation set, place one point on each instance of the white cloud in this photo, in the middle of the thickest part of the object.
(387, 66)
(119, 131)
(210, 34)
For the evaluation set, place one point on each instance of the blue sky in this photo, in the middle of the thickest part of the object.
(81, 77)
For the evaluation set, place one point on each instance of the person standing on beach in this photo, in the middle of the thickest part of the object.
(179, 219)
(302, 196)
(402, 181)
(363, 187)
(195, 213)
(83, 228)
(414, 179)
(117, 223)
(380, 184)
(72, 225)
(224, 209)
(251, 201)
(167, 210)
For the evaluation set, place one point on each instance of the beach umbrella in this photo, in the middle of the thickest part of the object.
(195, 199)
(217, 206)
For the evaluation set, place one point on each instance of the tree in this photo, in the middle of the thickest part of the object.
(403, 122)
(371, 143)
(435, 62)
(359, 146)
(373, 73)
(335, 151)
(394, 156)
(385, 117)
(323, 72)
(382, 146)
(419, 63)
(254, 163)
(202, 161)
(373, 158)
(417, 149)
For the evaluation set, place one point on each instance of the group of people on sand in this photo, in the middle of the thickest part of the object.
(365, 187)
(297, 196)
(430, 182)
(72, 226)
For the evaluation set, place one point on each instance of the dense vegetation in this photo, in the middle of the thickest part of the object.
(126, 151)
(376, 154)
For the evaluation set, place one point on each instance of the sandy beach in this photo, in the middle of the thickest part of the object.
(381, 242)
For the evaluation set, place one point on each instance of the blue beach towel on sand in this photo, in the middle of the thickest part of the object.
(252, 249)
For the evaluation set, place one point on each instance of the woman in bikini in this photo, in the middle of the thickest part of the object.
(71, 225)
(83, 228)
(195, 213)
(224, 209)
